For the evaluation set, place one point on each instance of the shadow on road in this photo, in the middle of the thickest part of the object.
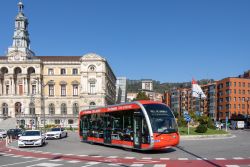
(197, 156)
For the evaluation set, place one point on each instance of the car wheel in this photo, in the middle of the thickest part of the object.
(66, 135)
(60, 136)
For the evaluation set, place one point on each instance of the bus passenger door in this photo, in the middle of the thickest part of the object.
(137, 132)
(84, 127)
(107, 130)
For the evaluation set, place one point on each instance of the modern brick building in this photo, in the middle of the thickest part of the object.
(233, 96)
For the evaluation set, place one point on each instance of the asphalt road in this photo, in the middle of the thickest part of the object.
(228, 148)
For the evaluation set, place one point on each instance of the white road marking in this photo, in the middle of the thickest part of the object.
(56, 160)
(42, 158)
(238, 158)
(27, 157)
(118, 164)
(56, 154)
(82, 155)
(91, 164)
(16, 164)
(146, 158)
(112, 157)
(68, 154)
(164, 158)
(137, 165)
(17, 156)
(160, 165)
(73, 162)
(182, 159)
(45, 165)
(232, 166)
(129, 158)
(220, 159)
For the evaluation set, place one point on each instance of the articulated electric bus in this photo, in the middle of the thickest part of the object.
(142, 125)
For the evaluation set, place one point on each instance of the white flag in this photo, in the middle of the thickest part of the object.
(197, 91)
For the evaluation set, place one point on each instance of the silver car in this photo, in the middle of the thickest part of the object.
(3, 133)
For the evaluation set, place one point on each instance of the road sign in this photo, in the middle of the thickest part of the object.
(187, 118)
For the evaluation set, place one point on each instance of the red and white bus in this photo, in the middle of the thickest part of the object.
(143, 125)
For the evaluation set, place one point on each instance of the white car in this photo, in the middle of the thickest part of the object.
(31, 138)
(56, 133)
(3, 133)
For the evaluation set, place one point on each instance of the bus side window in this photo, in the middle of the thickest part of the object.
(145, 132)
(127, 125)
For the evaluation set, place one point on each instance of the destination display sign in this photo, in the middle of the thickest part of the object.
(111, 109)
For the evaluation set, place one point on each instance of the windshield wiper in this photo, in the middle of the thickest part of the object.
(163, 132)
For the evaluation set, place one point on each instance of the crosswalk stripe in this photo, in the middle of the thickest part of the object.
(68, 154)
(160, 165)
(220, 159)
(17, 156)
(112, 157)
(117, 164)
(146, 158)
(82, 155)
(73, 162)
(182, 159)
(129, 158)
(232, 166)
(238, 158)
(91, 163)
(27, 157)
(164, 158)
(138, 165)
(55, 160)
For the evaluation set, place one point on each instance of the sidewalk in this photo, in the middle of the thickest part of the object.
(206, 137)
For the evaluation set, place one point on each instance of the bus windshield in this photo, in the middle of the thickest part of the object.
(161, 118)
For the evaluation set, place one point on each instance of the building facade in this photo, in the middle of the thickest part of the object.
(233, 97)
(121, 90)
(39, 90)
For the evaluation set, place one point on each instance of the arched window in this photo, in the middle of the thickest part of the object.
(75, 109)
(5, 109)
(92, 104)
(63, 109)
(31, 70)
(32, 109)
(51, 109)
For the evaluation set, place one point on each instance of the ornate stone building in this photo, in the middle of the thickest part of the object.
(51, 88)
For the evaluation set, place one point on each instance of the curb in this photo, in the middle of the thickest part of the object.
(206, 137)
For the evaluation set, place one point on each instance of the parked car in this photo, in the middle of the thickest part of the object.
(31, 138)
(237, 125)
(56, 133)
(14, 133)
(3, 133)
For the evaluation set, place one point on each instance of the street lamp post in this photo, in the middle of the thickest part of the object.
(42, 99)
(247, 109)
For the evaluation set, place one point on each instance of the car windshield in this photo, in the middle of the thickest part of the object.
(55, 129)
(162, 118)
(31, 133)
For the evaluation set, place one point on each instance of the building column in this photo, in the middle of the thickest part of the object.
(12, 86)
(26, 86)
(37, 86)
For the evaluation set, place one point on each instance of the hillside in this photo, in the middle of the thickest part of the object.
(135, 85)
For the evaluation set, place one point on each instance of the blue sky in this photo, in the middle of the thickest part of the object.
(165, 40)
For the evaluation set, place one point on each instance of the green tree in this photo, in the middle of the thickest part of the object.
(142, 96)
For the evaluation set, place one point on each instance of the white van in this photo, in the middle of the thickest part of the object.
(237, 125)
